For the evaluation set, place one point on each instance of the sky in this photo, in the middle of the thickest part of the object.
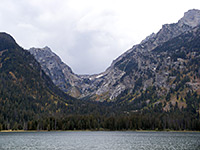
(88, 34)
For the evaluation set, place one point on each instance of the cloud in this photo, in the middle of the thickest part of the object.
(89, 34)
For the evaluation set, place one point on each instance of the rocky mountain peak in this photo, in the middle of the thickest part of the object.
(191, 18)
(59, 72)
(46, 48)
(46, 51)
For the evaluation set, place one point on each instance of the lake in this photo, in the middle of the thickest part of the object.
(99, 140)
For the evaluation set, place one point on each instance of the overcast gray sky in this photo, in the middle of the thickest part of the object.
(88, 34)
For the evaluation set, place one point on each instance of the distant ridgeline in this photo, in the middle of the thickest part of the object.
(153, 86)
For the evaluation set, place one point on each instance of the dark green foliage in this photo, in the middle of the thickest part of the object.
(192, 100)
(7, 42)
(135, 121)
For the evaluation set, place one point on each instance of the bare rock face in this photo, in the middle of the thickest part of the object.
(60, 73)
(138, 68)
(191, 18)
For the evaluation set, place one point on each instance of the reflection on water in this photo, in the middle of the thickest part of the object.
(87, 140)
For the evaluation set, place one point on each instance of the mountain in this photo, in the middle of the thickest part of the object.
(140, 68)
(168, 74)
(24, 87)
(127, 71)
(153, 86)
(27, 94)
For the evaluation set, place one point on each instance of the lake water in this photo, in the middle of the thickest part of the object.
(100, 140)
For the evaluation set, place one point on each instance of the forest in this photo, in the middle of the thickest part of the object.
(137, 121)
(103, 116)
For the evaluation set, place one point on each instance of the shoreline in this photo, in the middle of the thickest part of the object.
(21, 131)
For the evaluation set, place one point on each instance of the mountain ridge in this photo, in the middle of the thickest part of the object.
(107, 85)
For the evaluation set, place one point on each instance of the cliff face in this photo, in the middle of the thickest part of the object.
(142, 66)
(59, 72)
